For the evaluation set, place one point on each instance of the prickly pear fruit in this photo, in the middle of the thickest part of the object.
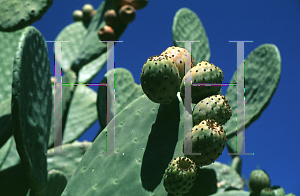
(258, 180)
(180, 175)
(77, 15)
(203, 72)
(137, 4)
(214, 107)
(160, 79)
(127, 14)
(267, 192)
(111, 18)
(106, 33)
(207, 138)
(86, 10)
(279, 191)
(179, 56)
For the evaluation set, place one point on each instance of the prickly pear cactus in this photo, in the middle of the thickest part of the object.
(31, 105)
(148, 128)
(15, 15)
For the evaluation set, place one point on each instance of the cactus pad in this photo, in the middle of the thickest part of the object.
(187, 26)
(140, 132)
(125, 89)
(82, 113)
(16, 14)
(67, 163)
(267, 192)
(9, 154)
(262, 75)
(5, 121)
(9, 42)
(31, 105)
(74, 33)
(57, 182)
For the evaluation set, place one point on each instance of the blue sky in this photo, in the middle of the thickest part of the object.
(274, 136)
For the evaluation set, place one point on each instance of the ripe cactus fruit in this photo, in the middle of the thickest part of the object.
(86, 11)
(106, 33)
(267, 192)
(111, 18)
(180, 175)
(137, 4)
(258, 180)
(77, 15)
(160, 79)
(179, 56)
(207, 138)
(203, 72)
(214, 107)
(127, 14)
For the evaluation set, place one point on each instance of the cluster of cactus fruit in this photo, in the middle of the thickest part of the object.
(85, 14)
(123, 13)
(161, 78)
(27, 128)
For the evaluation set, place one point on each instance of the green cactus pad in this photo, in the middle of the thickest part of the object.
(141, 130)
(51, 134)
(17, 14)
(236, 164)
(68, 78)
(125, 89)
(5, 121)
(187, 26)
(9, 155)
(75, 33)
(31, 105)
(262, 75)
(267, 192)
(227, 177)
(5, 150)
(9, 42)
(232, 193)
(67, 163)
(215, 178)
(82, 114)
(90, 70)
(91, 48)
(57, 182)
(290, 194)
(13, 181)
(204, 184)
